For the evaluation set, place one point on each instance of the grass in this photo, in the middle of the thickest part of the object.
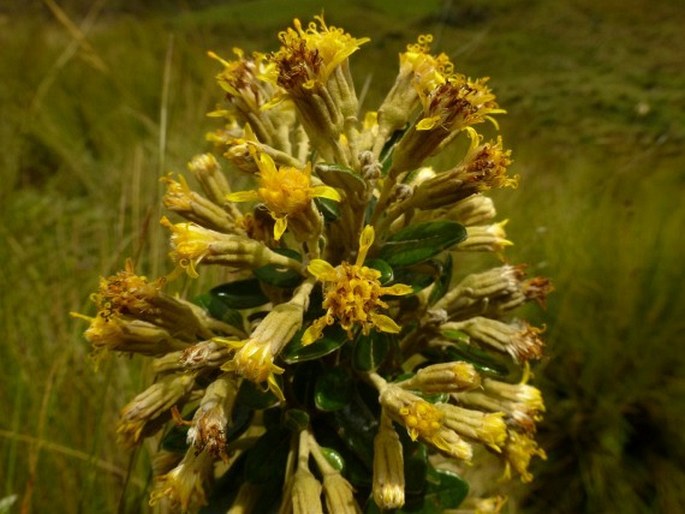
(596, 103)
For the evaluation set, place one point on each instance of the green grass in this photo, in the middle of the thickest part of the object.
(596, 101)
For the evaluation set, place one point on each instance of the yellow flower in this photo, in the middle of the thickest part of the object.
(254, 360)
(429, 70)
(419, 71)
(286, 191)
(388, 466)
(126, 293)
(456, 104)
(309, 56)
(140, 417)
(192, 244)
(184, 485)
(240, 79)
(423, 420)
(352, 294)
(518, 451)
(444, 377)
(522, 403)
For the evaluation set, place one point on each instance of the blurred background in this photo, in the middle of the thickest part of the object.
(99, 98)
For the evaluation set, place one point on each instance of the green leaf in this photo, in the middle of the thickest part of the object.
(175, 439)
(387, 273)
(330, 209)
(333, 390)
(219, 310)
(278, 277)
(371, 507)
(341, 178)
(327, 431)
(434, 397)
(484, 361)
(334, 458)
(357, 426)
(333, 338)
(432, 491)
(296, 420)
(446, 490)
(241, 294)
(415, 469)
(255, 397)
(225, 489)
(419, 276)
(370, 351)
(456, 335)
(420, 242)
(389, 147)
(267, 458)
(442, 284)
(241, 417)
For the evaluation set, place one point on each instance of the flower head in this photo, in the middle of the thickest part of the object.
(126, 293)
(151, 405)
(423, 420)
(352, 294)
(192, 244)
(309, 56)
(522, 403)
(518, 451)
(208, 428)
(286, 191)
(419, 70)
(388, 466)
(254, 359)
(448, 108)
(241, 80)
(183, 485)
(429, 70)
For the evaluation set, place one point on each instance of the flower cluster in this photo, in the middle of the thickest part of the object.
(346, 347)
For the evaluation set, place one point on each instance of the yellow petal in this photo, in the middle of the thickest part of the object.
(320, 269)
(242, 196)
(275, 388)
(314, 331)
(384, 323)
(365, 241)
(428, 123)
(398, 289)
(266, 163)
(326, 192)
(275, 100)
(279, 227)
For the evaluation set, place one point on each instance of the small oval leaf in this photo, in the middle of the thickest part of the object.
(296, 420)
(446, 490)
(333, 390)
(241, 294)
(219, 310)
(333, 338)
(484, 361)
(251, 395)
(328, 208)
(267, 458)
(340, 177)
(387, 273)
(334, 458)
(420, 242)
(278, 277)
(442, 284)
(370, 351)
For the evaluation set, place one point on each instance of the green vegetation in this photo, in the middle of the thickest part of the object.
(596, 98)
